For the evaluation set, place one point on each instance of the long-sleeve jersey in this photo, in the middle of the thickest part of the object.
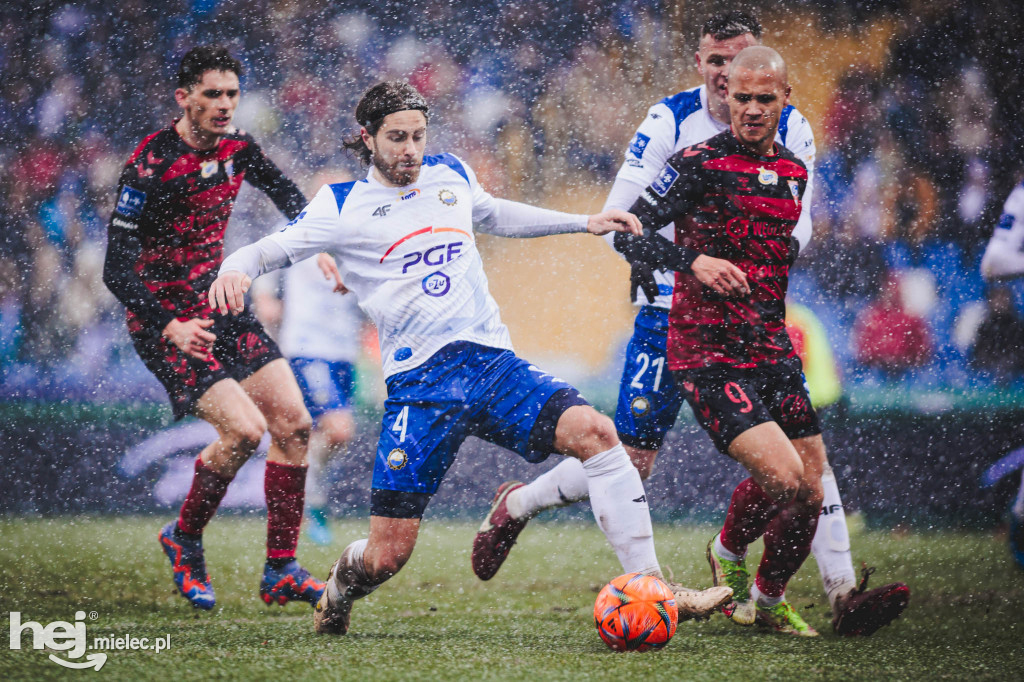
(1004, 255)
(409, 255)
(165, 239)
(730, 203)
(681, 121)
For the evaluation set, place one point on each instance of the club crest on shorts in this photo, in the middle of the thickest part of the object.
(640, 406)
(447, 197)
(766, 176)
(397, 459)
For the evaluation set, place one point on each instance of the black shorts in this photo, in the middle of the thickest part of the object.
(242, 347)
(727, 401)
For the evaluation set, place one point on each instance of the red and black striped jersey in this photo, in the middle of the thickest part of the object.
(729, 203)
(165, 239)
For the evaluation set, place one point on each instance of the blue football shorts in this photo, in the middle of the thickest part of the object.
(326, 385)
(464, 389)
(649, 401)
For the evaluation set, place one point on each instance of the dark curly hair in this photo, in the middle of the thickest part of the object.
(199, 60)
(729, 24)
(379, 101)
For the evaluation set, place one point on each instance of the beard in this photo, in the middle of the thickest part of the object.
(396, 175)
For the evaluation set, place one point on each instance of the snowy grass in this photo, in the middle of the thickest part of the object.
(533, 621)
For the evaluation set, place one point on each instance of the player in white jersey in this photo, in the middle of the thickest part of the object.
(1004, 259)
(405, 243)
(319, 333)
(649, 401)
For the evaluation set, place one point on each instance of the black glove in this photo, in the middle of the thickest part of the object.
(641, 276)
(794, 250)
(654, 251)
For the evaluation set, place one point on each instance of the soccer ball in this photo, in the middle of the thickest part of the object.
(635, 612)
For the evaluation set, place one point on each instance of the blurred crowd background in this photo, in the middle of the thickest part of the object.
(914, 105)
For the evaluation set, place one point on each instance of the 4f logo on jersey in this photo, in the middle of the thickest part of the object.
(382, 211)
(663, 183)
(638, 145)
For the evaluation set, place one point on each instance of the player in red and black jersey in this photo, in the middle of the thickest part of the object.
(165, 245)
(737, 197)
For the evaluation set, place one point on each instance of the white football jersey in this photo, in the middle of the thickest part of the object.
(1004, 255)
(409, 255)
(681, 121)
(317, 322)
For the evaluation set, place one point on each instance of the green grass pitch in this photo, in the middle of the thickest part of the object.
(533, 621)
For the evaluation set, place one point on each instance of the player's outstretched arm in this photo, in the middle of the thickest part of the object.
(614, 220)
(228, 292)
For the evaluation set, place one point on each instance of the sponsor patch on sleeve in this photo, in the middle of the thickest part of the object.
(638, 145)
(131, 201)
(663, 183)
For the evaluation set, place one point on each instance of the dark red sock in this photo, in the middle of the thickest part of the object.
(787, 542)
(285, 488)
(208, 488)
(749, 513)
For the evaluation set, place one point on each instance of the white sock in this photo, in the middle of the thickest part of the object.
(721, 550)
(831, 544)
(557, 487)
(761, 598)
(1018, 505)
(316, 492)
(620, 507)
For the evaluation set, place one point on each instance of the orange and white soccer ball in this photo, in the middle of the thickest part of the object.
(636, 612)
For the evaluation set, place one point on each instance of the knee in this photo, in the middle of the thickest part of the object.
(338, 429)
(292, 425)
(783, 486)
(583, 431)
(244, 436)
(811, 493)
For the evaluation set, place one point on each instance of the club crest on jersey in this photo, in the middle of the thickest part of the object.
(130, 202)
(663, 183)
(638, 145)
(436, 284)
(640, 406)
(229, 167)
(397, 459)
(447, 197)
(767, 176)
(208, 168)
(411, 194)
(794, 187)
